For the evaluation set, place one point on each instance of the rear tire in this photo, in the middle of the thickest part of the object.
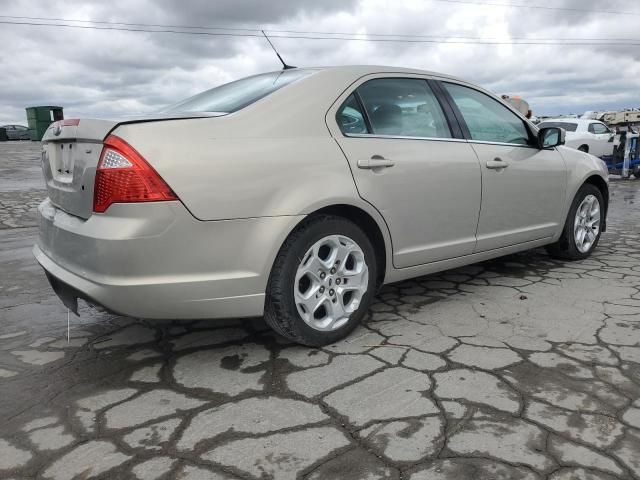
(582, 227)
(322, 282)
(584, 148)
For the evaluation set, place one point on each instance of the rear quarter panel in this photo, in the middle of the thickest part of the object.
(220, 177)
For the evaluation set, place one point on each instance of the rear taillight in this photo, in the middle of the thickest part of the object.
(123, 176)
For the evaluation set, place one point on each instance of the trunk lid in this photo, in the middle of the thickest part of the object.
(70, 154)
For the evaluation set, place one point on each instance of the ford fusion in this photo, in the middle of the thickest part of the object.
(296, 194)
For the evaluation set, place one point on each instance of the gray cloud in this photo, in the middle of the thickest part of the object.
(247, 13)
(111, 73)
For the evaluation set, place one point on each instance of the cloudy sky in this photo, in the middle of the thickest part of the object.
(103, 73)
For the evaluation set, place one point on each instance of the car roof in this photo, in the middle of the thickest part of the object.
(361, 70)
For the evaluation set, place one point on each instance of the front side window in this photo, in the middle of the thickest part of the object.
(598, 128)
(487, 119)
(403, 107)
(569, 127)
(234, 96)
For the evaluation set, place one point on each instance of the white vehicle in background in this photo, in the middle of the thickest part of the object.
(586, 135)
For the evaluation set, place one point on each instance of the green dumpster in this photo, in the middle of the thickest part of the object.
(39, 118)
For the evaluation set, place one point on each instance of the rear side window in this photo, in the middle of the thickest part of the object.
(487, 119)
(234, 96)
(569, 127)
(598, 128)
(350, 117)
(403, 107)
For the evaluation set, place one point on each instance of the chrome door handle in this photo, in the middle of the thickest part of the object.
(497, 163)
(377, 161)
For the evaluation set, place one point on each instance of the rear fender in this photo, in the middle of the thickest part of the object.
(335, 204)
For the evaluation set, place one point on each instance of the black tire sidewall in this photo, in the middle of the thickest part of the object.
(293, 254)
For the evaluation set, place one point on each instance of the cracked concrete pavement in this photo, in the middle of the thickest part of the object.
(519, 368)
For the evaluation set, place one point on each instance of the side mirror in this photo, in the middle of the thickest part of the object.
(551, 137)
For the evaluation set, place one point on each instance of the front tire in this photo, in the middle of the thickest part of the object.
(322, 282)
(582, 227)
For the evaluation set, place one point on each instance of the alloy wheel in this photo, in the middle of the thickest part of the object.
(586, 225)
(330, 282)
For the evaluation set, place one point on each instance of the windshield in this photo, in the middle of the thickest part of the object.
(568, 126)
(234, 96)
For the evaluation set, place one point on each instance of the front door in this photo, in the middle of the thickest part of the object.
(522, 185)
(406, 163)
(601, 136)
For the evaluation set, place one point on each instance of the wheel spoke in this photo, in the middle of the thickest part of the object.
(326, 261)
(310, 303)
(584, 209)
(345, 249)
(352, 263)
(356, 296)
(337, 311)
(312, 267)
(308, 294)
(581, 236)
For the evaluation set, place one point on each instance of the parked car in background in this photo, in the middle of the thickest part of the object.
(17, 132)
(296, 194)
(586, 135)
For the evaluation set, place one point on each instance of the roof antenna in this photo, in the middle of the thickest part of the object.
(284, 65)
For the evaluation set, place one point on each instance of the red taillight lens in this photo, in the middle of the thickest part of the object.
(123, 176)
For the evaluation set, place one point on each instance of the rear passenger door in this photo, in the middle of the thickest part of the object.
(412, 165)
(523, 187)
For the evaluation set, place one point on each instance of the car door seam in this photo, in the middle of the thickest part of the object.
(475, 247)
(367, 201)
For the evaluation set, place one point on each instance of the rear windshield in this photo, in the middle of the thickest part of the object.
(568, 126)
(234, 96)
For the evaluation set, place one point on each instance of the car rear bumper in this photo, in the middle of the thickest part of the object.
(154, 260)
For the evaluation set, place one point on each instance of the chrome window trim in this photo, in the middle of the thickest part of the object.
(402, 137)
(436, 139)
(483, 142)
